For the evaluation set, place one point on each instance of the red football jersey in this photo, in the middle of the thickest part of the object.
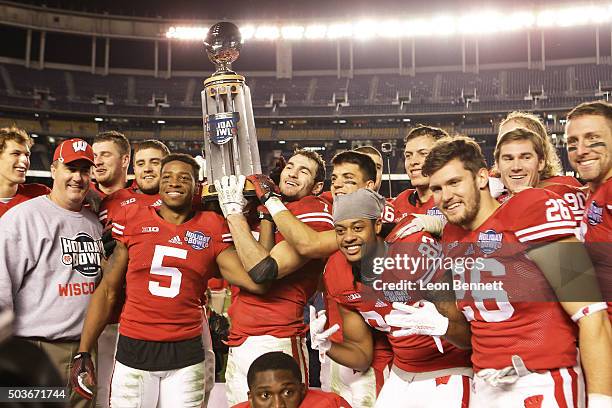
(126, 197)
(314, 399)
(538, 330)
(596, 232)
(411, 353)
(575, 197)
(168, 271)
(24, 193)
(280, 312)
(407, 202)
(567, 180)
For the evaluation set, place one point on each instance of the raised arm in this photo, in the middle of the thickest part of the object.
(262, 265)
(234, 273)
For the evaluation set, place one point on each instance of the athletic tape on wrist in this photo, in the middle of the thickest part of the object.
(275, 205)
(590, 309)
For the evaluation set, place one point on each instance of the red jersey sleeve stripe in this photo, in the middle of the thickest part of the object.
(116, 231)
(545, 226)
(328, 221)
(561, 232)
(609, 206)
(315, 214)
(119, 226)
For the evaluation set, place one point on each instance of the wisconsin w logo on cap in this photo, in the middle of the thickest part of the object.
(79, 145)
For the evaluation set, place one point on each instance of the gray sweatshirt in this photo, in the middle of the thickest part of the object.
(49, 266)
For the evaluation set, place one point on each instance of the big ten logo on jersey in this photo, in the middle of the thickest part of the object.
(82, 253)
(128, 201)
(197, 240)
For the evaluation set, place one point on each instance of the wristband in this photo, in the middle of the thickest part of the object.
(275, 205)
(599, 401)
(590, 309)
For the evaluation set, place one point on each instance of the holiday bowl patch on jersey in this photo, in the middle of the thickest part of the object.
(595, 214)
(489, 241)
(197, 240)
(83, 253)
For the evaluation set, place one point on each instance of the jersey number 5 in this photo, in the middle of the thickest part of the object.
(158, 269)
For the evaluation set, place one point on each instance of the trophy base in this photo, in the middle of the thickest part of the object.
(209, 192)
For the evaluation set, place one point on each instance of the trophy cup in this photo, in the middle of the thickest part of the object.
(230, 143)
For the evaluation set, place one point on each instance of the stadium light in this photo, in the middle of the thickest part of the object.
(470, 23)
(366, 29)
(292, 32)
(247, 32)
(315, 31)
(267, 32)
(339, 30)
(187, 33)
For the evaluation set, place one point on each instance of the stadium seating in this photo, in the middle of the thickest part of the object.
(382, 94)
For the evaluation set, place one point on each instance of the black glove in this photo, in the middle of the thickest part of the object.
(219, 330)
(83, 375)
(108, 242)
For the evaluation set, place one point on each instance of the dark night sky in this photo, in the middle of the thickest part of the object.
(273, 9)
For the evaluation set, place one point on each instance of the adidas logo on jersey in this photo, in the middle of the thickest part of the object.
(380, 303)
(176, 240)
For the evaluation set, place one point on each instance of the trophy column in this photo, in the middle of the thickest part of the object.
(230, 142)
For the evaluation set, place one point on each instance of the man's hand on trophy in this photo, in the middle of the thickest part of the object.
(264, 187)
(231, 198)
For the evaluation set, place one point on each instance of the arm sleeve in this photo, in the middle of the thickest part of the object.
(119, 227)
(540, 216)
(222, 238)
(313, 211)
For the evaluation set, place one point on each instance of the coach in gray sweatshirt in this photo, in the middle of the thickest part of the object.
(50, 260)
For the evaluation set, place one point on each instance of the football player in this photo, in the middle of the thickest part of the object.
(275, 380)
(419, 199)
(144, 190)
(351, 171)
(514, 356)
(274, 322)
(521, 159)
(112, 159)
(166, 256)
(15, 147)
(553, 170)
(589, 148)
(375, 155)
(431, 378)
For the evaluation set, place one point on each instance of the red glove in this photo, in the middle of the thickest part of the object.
(264, 187)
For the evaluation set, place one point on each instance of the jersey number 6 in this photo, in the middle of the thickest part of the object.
(158, 269)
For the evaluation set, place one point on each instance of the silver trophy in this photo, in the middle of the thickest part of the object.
(230, 143)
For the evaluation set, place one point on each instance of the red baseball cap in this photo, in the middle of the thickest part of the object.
(72, 150)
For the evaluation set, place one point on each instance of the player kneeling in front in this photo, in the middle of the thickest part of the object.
(166, 256)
